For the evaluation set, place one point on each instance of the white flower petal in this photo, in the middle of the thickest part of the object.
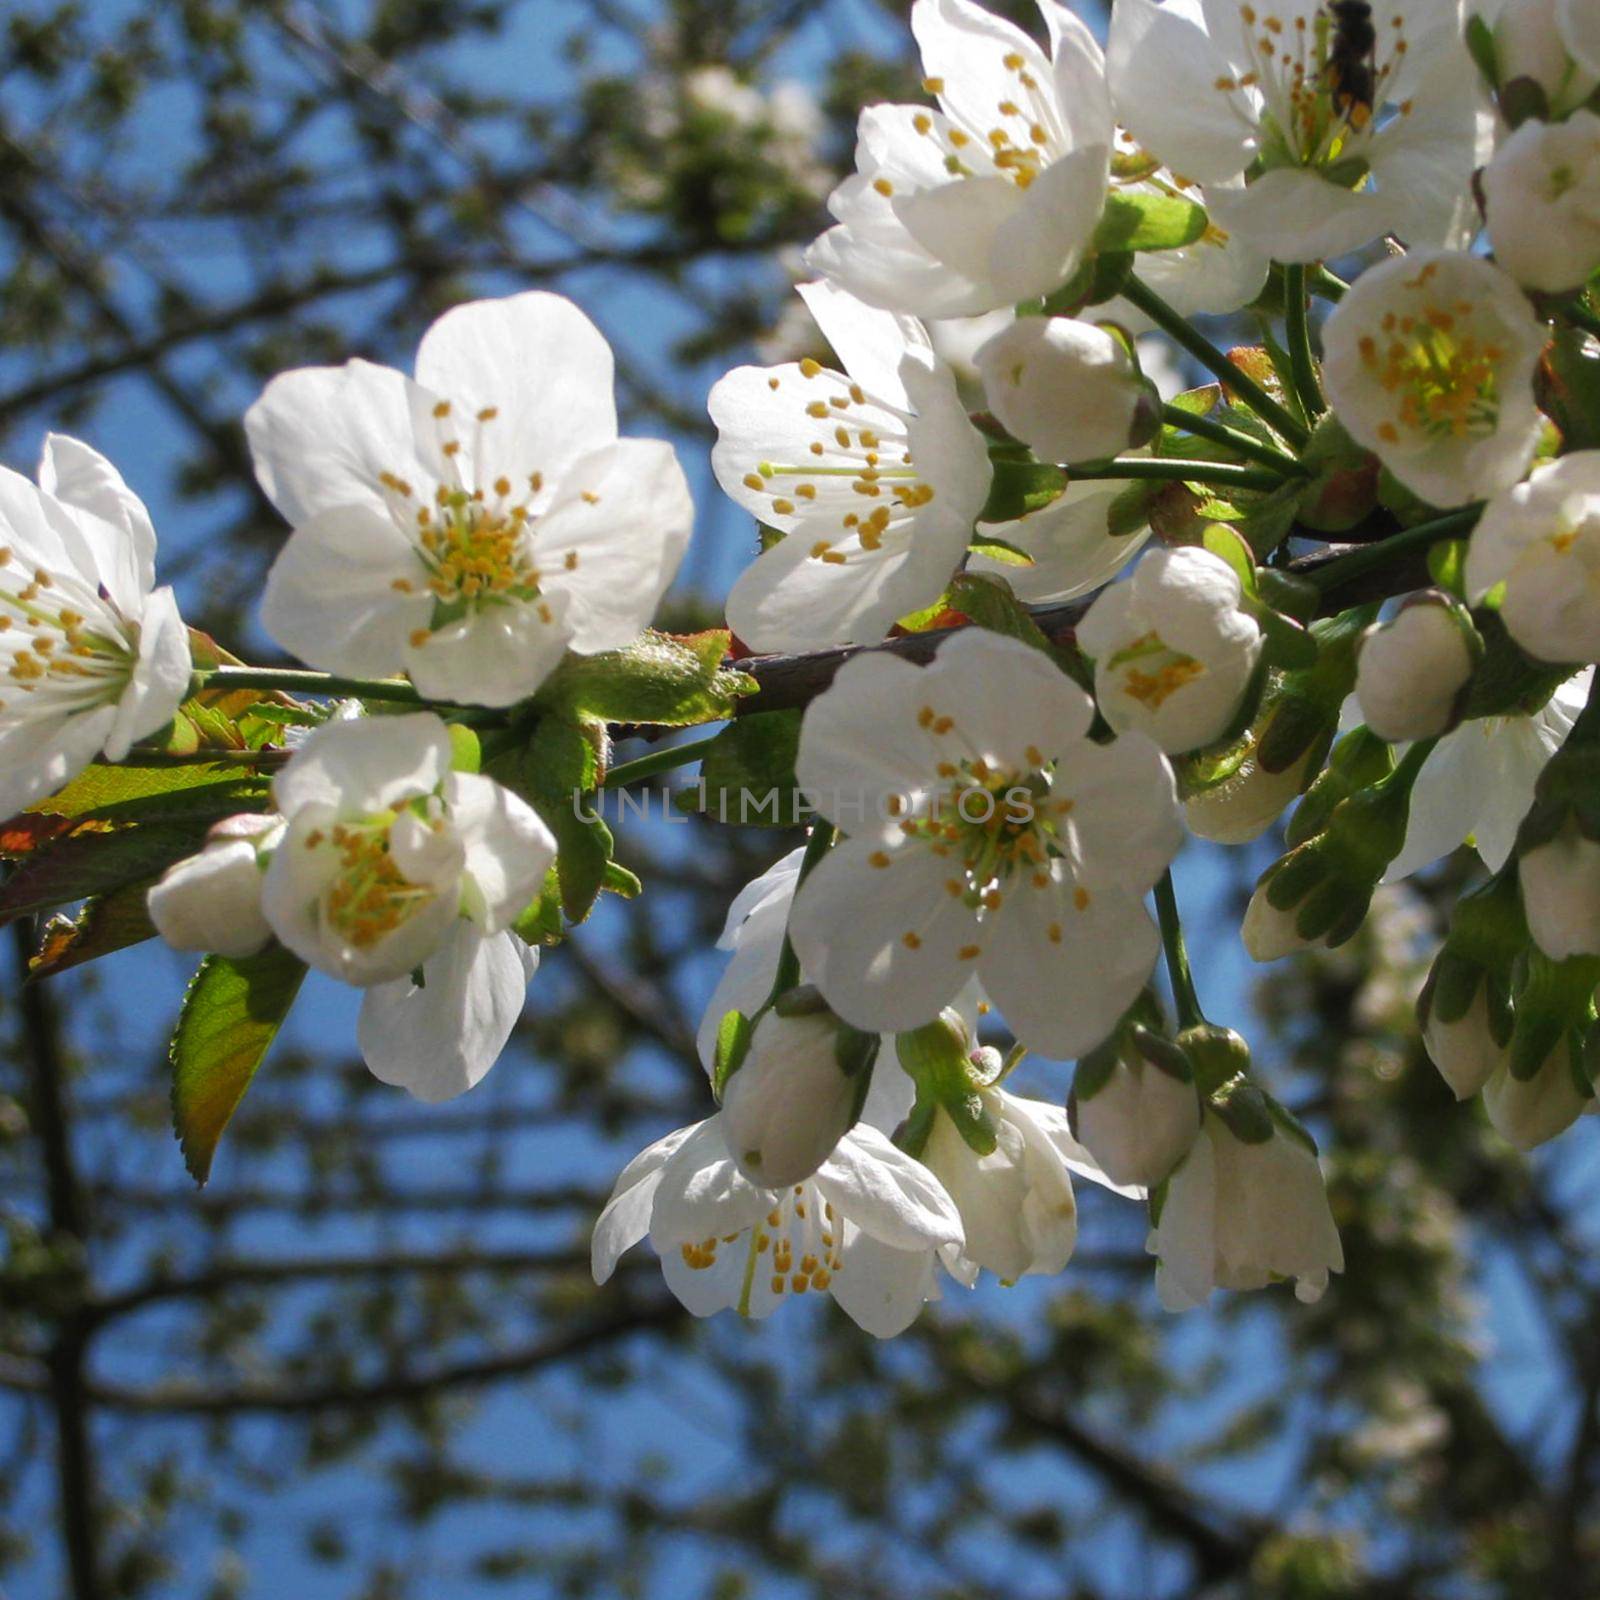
(366, 765)
(508, 849)
(494, 656)
(626, 1218)
(887, 1194)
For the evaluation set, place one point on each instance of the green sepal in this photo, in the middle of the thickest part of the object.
(1244, 1111)
(1447, 566)
(1552, 999)
(934, 1056)
(466, 751)
(1523, 100)
(1356, 761)
(1481, 47)
(660, 680)
(1020, 486)
(1216, 1055)
(734, 1033)
(1146, 219)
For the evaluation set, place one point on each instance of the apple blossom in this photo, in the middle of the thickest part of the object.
(1173, 649)
(1245, 1206)
(1541, 196)
(211, 901)
(385, 848)
(1429, 362)
(1560, 878)
(1541, 540)
(1220, 90)
(868, 1228)
(92, 656)
(1068, 390)
(873, 476)
(1411, 669)
(989, 837)
(474, 524)
(993, 197)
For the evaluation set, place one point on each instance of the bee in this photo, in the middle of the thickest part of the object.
(1350, 58)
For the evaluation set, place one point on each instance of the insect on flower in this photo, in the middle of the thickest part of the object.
(1351, 46)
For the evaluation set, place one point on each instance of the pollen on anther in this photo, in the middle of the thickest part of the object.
(442, 408)
(419, 637)
(911, 940)
(878, 858)
(1080, 898)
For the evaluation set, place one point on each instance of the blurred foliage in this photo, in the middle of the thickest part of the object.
(368, 1361)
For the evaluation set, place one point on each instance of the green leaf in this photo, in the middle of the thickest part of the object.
(747, 773)
(1019, 487)
(1230, 547)
(558, 772)
(733, 1044)
(1447, 566)
(661, 679)
(1001, 550)
(1144, 219)
(92, 863)
(231, 1014)
(107, 923)
(541, 923)
(129, 794)
(988, 600)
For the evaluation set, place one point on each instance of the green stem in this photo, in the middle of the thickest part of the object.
(1326, 285)
(1371, 556)
(674, 755)
(1183, 991)
(788, 974)
(1234, 439)
(295, 680)
(1404, 776)
(1215, 361)
(1297, 330)
(1162, 468)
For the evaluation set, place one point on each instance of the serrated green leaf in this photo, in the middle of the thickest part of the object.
(130, 794)
(1144, 219)
(92, 863)
(660, 680)
(231, 1014)
(747, 773)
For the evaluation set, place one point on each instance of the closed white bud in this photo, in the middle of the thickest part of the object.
(1411, 670)
(1561, 893)
(1535, 40)
(1068, 390)
(789, 1103)
(1140, 1122)
(212, 901)
(1527, 1112)
(1269, 933)
(1541, 196)
(1465, 1050)
(1244, 806)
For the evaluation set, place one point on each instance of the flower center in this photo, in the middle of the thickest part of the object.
(1445, 379)
(370, 897)
(1152, 670)
(61, 642)
(1024, 137)
(475, 552)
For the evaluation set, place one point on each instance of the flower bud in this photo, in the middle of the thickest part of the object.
(1560, 880)
(1069, 390)
(1541, 196)
(1245, 804)
(790, 1101)
(1174, 651)
(1527, 49)
(1465, 1049)
(1134, 1107)
(1528, 1111)
(1411, 670)
(212, 901)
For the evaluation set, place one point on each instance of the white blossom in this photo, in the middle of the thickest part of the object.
(1429, 362)
(867, 1228)
(874, 477)
(1541, 540)
(92, 655)
(1218, 90)
(1173, 649)
(1246, 803)
(211, 901)
(1560, 880)
(1268, 932)
(1478, 782)
(1411, 670)
(992, 197)
(472, 525)
(1531, 1111)
(1237, 1214)
(989, 837)
(1541, 195)
(1068, 390)
(1016, 1203)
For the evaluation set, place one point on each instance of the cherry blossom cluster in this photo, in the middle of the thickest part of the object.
(1054, 629)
